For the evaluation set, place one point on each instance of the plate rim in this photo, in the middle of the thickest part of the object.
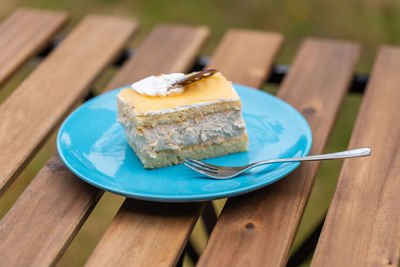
(177, 199)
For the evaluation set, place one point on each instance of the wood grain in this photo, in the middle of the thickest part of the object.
(146, 234)
(170, 47)
(23, 35)
(256, 52)
(154, 234)
(32, 111)
(40, 225)
(362, 227)
(258, 229)
(56, 199)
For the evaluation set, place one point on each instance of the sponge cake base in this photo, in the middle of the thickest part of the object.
(201, 151)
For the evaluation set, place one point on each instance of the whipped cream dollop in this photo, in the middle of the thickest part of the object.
(160, 85)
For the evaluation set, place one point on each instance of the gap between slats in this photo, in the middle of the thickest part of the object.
(325, 182)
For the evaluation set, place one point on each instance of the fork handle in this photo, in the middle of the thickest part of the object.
(360, 152)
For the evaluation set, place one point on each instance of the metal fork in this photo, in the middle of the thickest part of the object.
(222, 172)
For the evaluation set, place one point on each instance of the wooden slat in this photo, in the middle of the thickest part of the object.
(23, 35)
(170, 48)
(146, 234)
(41, 224)
(57, 202)
(154, 234)
(246, 57)
(362, 227)
(43, 99)
(258, 229)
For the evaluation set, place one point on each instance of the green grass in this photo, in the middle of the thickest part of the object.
(370, 22)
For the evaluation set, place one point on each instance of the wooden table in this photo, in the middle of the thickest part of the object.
(362, 227)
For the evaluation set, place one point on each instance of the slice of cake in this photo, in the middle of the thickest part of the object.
(164, 123)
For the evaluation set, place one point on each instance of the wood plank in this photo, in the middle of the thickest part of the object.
(246, 57)
(41, 224)
(154, 234)
(258, 228)
(172, 47)
(23, 34)
(362, 227)
(29, 114)
(56, 199)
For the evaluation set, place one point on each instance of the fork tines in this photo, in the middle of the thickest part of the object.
(200, 166)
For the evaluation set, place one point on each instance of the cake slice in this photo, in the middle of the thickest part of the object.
(164, 123)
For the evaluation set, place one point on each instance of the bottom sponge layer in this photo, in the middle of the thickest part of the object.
(172, 157)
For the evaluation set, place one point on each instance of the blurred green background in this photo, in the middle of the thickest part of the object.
(369, 22)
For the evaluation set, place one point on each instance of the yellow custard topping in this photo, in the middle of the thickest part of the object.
(210, 89)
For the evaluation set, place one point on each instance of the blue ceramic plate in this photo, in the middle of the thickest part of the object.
(92, 144)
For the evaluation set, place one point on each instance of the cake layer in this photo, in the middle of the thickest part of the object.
(212, 128)
(202, 91)
(126, 111)
(202, 151)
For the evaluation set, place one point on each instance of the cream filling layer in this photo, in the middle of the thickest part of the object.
(169, 110)
(212, 128)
